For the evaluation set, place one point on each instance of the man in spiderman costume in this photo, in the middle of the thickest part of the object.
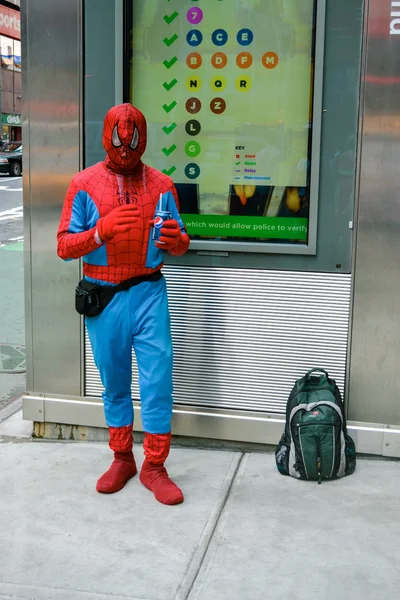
(107, 219)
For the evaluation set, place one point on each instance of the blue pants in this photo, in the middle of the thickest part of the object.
(137, 318)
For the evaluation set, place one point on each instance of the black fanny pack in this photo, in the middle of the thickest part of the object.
(91, 298)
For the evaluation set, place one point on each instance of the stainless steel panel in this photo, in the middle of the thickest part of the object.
(242, 337)
(26, 199)
(214, 424)
(391, 442)
(33, 408)
(374, 387)
(103, 70)
(51, 130)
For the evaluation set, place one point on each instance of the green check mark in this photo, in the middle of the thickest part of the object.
(169, 18)
(169, 107)
(168, 130)
(169, 171)
(169, 41)
(170, 85)
(170, 150)
(238, 163)
(170, 63)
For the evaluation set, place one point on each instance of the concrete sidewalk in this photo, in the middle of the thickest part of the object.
(243, 532)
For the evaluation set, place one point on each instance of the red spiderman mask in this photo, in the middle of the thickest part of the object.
(124, 138)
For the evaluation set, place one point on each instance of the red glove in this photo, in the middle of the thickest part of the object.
(170, 235)
(119, 220)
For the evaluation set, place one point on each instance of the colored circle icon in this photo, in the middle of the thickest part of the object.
(244, 60)
(219, 60)
(194, 15)
(192, 171)
(194, 60)
(245, 37)
(217, 106)
(193, 83)
(243, 83)
(194, 37)
(192, 149)
(218, 84)
(270, 60)
(219, 37)
(193, 127)
(193, 106)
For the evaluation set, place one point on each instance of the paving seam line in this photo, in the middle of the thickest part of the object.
(11, 589)
(199, 555)
(215, 541)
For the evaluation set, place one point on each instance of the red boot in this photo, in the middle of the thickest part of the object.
(153, 475)
(122, 469)
(123, 466)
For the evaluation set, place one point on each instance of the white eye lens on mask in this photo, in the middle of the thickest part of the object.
(115, 138)
(135, 140)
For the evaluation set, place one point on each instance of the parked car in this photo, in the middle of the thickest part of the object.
(11, 159)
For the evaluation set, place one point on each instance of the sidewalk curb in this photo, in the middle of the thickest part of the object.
(196, 562)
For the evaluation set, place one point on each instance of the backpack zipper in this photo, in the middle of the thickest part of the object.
(302, 453)
(318, 423)
(319, 461)
(317, 447)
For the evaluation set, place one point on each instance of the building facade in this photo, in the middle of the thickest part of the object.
(10, 71)
(289, 191)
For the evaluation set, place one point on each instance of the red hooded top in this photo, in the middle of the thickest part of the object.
(121, 179)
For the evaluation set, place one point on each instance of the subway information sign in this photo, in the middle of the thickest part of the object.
(226, 87)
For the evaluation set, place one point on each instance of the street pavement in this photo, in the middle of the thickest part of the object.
(12, 328)
(11, 227)
(244, 532)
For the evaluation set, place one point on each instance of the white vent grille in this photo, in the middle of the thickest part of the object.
(242, 337)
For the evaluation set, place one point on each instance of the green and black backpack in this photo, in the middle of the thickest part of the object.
(315, 444)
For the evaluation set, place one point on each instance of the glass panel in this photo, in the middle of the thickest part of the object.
(7, 102)
(7, 52)
(17, 82)
(5, 135)
(7, 81)
(227, 89)
(17, 103)
(17, 55)
(11, 147)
